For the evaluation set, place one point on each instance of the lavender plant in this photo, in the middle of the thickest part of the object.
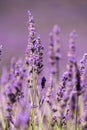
(31, 102)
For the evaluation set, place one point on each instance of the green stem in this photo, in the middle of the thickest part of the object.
(76, 123)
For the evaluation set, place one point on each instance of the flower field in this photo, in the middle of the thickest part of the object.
(31, 101)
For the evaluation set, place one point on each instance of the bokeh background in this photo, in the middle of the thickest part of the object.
(68, 14)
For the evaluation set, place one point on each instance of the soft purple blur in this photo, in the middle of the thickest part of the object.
(68, 14)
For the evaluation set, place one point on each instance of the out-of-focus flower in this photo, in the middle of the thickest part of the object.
(22, 122)
(54, 51)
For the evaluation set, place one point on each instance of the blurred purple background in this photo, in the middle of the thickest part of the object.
(68, 14)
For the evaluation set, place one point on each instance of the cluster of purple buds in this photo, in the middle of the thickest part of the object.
(65, 95)
(54, 51)
(34, 51)
(54, 47)
(14, 88)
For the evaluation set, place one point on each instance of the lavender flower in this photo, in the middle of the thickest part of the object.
(34, 51)
(22, 121)
(43, 82)
(54, 52)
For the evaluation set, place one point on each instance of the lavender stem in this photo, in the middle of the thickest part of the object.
(76, 123)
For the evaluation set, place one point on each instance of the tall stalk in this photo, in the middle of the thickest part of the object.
(76, 122)
(57, 67)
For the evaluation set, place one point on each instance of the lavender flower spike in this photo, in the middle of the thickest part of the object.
(54, 51)
(72, 48)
